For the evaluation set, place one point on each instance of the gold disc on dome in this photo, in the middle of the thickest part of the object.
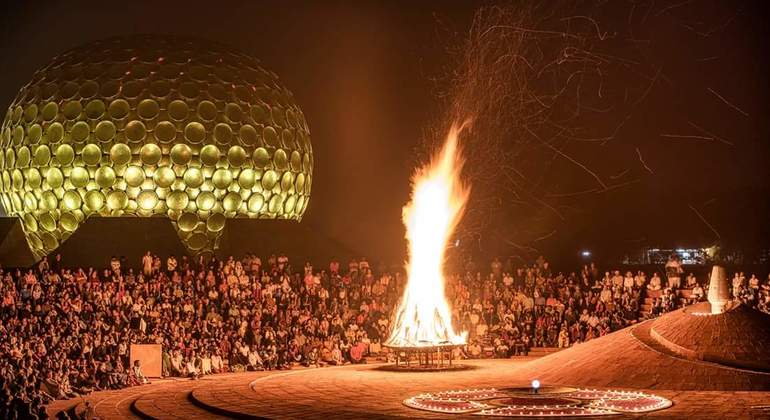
(54, 178)
(206, 200)
(287, 138)
(276, 203)
(135, 131)
(194, 132)
(160, 88)
(216, 222)
(72, 110)
(270, 136)
(94, 200)
(260, 114)
(34, 133)
(49, 111)
(261, 158)
(80, 131)
(187, 222)
(117, 200)
(300, 202)
(237, 156)
(256, 201)
(287, 181)
(118, 109)
(280, 160)
(165, 132)
(223, 134)
(222, 178)
(30, 201)
(178, 110)
(18, 179)
(147, 199)
(68, 221)
(148, 109)
(164, 177)
(288, 205)
(49, 241)
(91, 154)
(232, 201)
(105, 176)
(233, 112)
(296, 161)
(105, 131)
(30, 223)
(18, 135)
(193, 177)
(49, 201)
(71, 200)
(10, 158)
(308, 182)
(42, 156)
(189, 90)
(95, 109)
(269, 179)
(65, 154)
(209, 155)
(30, 113)
(177, 200)
(109, 89)
(34, 180)
(207, 110)
(246, 179)
(47, 221)
(248, 135)
(134, 176)
(150, 154)
(181, 154)
(35, 242)
(23, 157)
(120, 154)
(79, 177)
(88, 89)
(299, 183)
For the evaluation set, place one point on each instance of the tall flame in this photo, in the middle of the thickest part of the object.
(437, 203)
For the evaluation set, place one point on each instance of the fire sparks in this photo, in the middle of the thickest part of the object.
(438, 199)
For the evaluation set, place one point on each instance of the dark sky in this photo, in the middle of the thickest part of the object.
(363, 75)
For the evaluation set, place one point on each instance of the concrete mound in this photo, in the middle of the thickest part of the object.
(739, 337)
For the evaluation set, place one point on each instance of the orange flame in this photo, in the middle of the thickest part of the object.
(437, 204)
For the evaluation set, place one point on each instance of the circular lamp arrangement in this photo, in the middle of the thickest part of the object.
(551, 402)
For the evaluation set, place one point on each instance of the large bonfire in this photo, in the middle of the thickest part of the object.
(424, 318)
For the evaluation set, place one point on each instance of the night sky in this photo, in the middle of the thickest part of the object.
(368, 78)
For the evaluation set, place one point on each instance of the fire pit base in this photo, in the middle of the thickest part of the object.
(424, 359)
(418, 368)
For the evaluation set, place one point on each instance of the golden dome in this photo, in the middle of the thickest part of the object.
(148, 126)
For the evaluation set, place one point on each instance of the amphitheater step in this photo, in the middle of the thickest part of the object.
(173, 403)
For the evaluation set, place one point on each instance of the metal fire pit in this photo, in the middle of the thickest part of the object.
(424, 358)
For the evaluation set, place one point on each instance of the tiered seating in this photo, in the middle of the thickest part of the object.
(683, 299)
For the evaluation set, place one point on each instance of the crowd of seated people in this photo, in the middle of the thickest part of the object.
(67, 331)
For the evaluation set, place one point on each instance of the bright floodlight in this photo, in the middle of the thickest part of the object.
(535, 384)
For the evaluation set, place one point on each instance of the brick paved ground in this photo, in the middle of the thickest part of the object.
(362, 391)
